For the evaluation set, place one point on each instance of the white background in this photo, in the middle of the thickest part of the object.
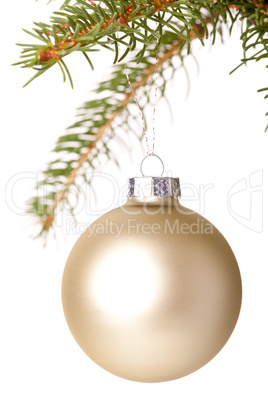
(216, 138)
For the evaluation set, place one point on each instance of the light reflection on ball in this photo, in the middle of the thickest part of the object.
(130, 286)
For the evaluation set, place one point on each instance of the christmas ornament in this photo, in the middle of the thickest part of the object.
(151, 291)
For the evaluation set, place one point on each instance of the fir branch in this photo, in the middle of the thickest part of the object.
(87, 26)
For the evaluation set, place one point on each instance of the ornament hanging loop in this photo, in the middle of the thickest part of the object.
(156, 165)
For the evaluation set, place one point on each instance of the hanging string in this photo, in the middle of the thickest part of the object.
(140, 109)
(150, 151)
(155, 90)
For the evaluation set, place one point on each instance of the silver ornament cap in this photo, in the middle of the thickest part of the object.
(154, 186)
(151, 185)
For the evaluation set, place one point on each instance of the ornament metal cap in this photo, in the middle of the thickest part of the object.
(154, 186)
(150, 186)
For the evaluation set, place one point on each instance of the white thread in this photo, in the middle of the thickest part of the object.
(150, 151)
(156, 88)
(140, 109)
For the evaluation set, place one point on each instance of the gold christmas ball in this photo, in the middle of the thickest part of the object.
(151, 291)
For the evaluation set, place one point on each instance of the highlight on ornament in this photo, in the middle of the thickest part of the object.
(151, 290)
